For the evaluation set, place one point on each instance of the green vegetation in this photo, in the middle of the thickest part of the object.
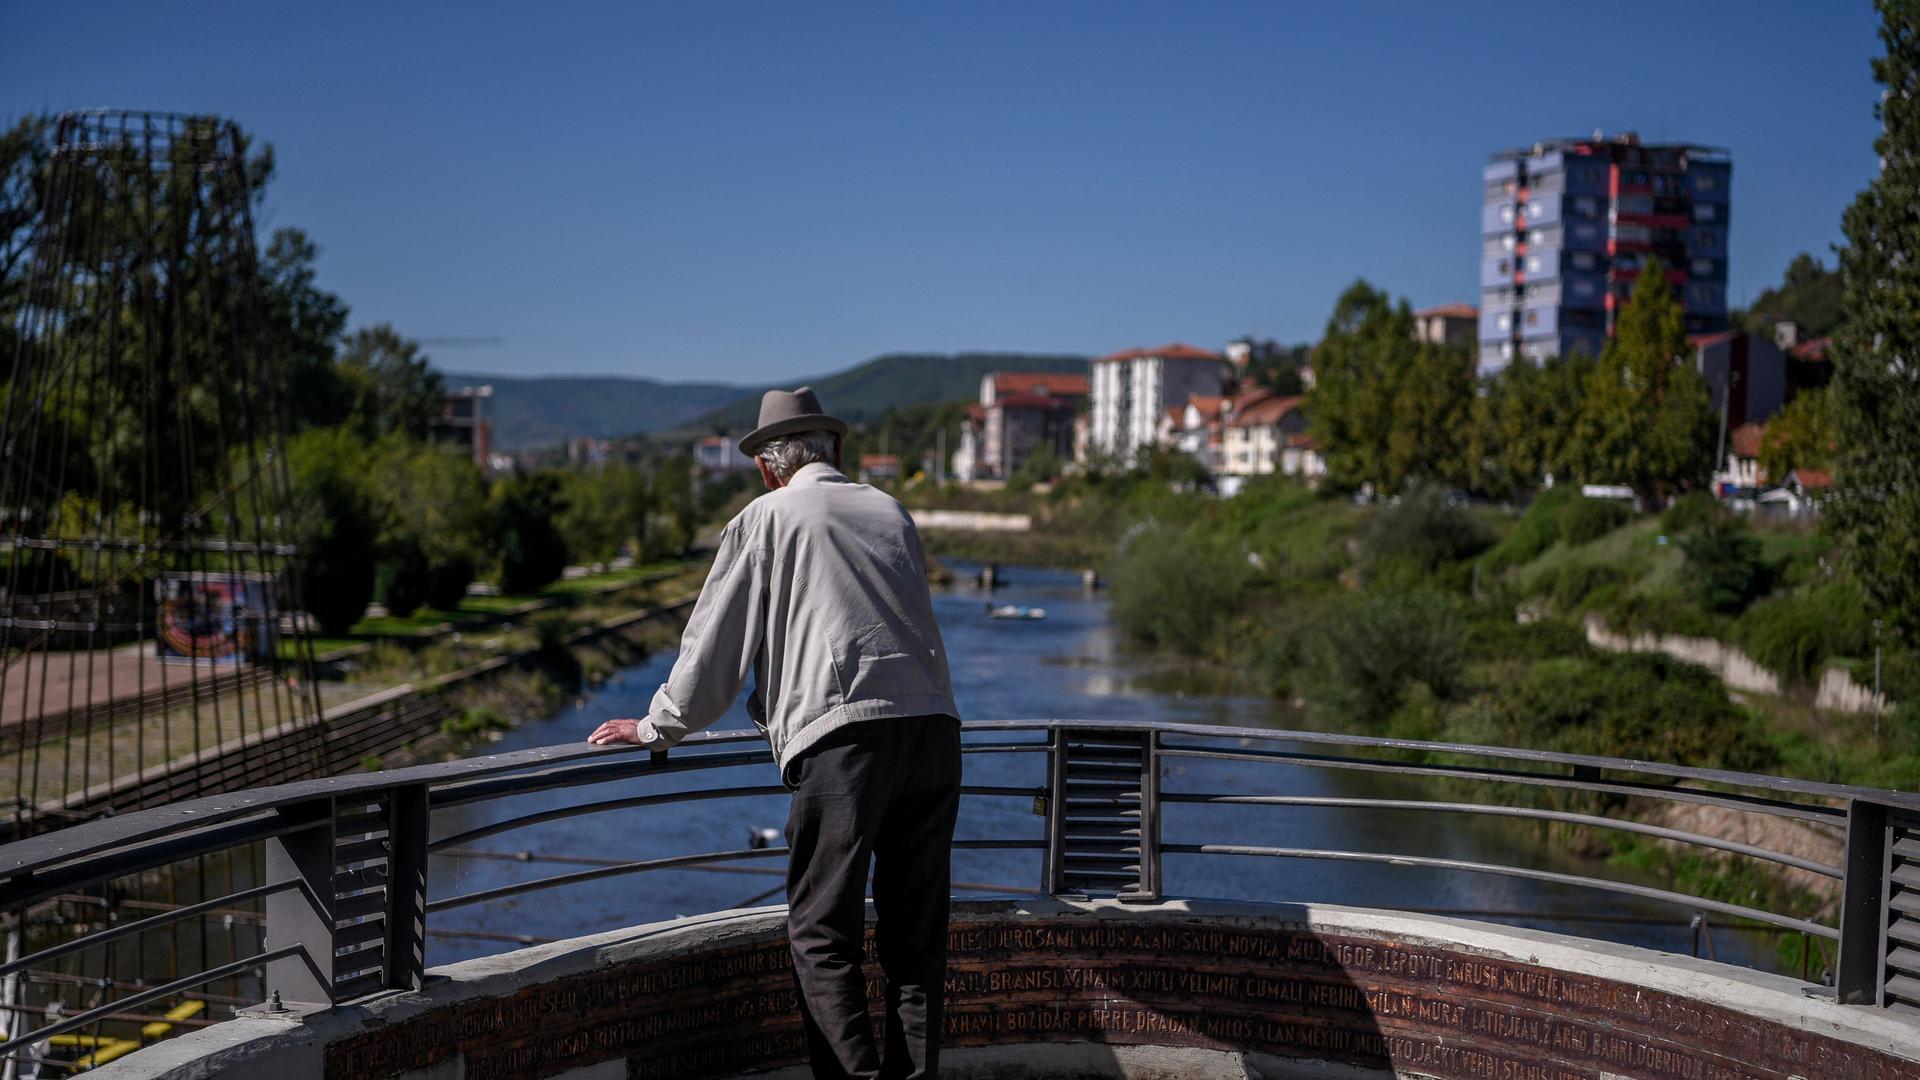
(1876, 404)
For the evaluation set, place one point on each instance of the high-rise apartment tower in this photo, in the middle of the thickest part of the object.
(1566, 226)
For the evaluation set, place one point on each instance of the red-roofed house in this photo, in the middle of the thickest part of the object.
(1131, 391)
(879, 468)
(1257, 434)
(1019, 412)
(1743, 459)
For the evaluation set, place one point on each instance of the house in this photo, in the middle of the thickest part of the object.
(718, 454)
(1801, 492)
(1019, 414)
(463, 423)
(1301, 457)
(1257, 433)
(879, 468)
(1131, 391)
(1448, 324)
(1742, 469)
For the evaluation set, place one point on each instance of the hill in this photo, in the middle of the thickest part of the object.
(549, 410)
(861, 394)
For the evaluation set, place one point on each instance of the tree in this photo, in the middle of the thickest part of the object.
(605, 508)
(1876, 354)
(525, 512)
(1809, 294)
(389, 385)
(1646, 419)
(1522, 422)
(435, 524)
(1799, 436)
(335, 526)
(304, 324)
(1388, 408)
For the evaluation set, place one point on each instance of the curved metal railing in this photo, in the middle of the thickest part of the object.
(346, 903)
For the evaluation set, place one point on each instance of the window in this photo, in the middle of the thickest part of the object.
(1586, 230)
(1503, 322)
(1537, 236)
(1703, 267)
(1586, 207)
(1506, 241)
(1506, 213)
(1506, 350)
(1504, 266)
(1584, 260)
(1707, 182)
(1703, 211)
(1533, 316)
(1534, 264)
(1706, 239)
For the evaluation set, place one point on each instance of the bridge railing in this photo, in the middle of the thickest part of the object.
(347, 906)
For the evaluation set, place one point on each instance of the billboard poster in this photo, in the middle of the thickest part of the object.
(216, 618)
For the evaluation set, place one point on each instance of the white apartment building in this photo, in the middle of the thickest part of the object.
(1131, 392)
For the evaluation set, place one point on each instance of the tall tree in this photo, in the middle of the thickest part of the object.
(1387, 407)
(304, 323)
(389, 384)
(1522, 423)
(1646, 419)
(1799, 436)
(1876, 355)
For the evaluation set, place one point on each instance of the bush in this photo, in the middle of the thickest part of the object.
(532, 552)
(1423, 531)
(402, 579)
(1586, 520)
(335, 524)
(1792, 635)
(1537, 530)
(1575, 582)
(1369, 653)
(1176, 589)
(1694, 510)
(1726, 568)
(447, 584)
(1637, 705)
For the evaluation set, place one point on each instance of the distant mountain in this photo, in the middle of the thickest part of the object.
(549, 410)
(860, 394)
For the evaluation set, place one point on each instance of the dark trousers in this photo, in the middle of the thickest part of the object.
(884, 791)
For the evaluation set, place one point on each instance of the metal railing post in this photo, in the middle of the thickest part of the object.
(407, 888)
(1052, 880)
(1863, 914)
(302, 916)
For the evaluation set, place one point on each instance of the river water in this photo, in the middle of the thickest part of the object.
(1069, 665)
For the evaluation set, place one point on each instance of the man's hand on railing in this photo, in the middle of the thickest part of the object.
(615, 732)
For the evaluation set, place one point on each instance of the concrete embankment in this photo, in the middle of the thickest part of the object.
(1837, 692)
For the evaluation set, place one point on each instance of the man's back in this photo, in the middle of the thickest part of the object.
(821, 588)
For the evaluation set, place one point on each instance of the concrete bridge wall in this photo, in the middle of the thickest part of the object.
(1048, 988)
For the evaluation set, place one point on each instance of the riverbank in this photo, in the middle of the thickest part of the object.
(1427, 620)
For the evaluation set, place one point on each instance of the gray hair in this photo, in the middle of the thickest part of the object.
(786, 454)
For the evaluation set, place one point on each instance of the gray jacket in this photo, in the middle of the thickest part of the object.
(820, 589)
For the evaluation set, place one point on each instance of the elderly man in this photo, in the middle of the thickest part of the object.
(820, 589)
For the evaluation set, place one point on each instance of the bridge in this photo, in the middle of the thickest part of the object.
(1108, 971)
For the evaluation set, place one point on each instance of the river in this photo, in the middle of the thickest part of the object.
(1069, 665)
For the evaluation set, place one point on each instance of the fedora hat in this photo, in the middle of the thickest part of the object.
(789, 412)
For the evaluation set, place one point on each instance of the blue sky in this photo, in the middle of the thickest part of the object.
(748, 192)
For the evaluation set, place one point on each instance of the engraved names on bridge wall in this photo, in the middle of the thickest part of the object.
(729, 1009)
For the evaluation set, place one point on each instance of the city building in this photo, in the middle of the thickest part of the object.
(1746, 375)
(1020, 412)
(1448, 324)
(1566, 226)
(463, 423)
(1131, 392)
